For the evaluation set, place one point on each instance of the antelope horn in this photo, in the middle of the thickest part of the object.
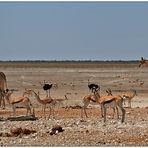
(98, 87)
(66, 97)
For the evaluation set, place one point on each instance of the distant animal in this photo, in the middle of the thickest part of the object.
(46, 87)
(143, 62)
(3, 87)
(128, 96)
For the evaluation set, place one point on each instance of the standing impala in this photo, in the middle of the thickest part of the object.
(143, 62)
(13, 101)
(90, 99)
(105, 102)
(3, 87)
(110, 101)
(46, 101)
(128, 96)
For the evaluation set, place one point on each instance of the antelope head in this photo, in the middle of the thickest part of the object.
(134, 92)
(28, 91)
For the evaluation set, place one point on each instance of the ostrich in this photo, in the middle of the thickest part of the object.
(46, 87)
(93, 86)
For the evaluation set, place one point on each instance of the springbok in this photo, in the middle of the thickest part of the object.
(3, 87)
(61, 101)
(27, 92)
(143, 62)
(110, 101)
(47, 101)
(109, 93)
(90, 99)
(128, 96)
(13, 101)
(105, 102)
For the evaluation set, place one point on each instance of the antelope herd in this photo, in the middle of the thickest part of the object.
(105, 101)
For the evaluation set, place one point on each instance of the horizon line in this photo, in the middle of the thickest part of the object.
(69, 60)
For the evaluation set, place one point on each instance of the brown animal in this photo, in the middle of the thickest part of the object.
(27, 92)
(91, 99)
(61, 101)
(110, 101)
(13, 101)
(128, 96)
(3, 87)
(46, 101)
(143, 62)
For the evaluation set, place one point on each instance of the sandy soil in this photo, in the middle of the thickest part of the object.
(73, 82)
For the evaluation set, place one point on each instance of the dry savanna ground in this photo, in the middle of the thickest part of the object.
(71, 79)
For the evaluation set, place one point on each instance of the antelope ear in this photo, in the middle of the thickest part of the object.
(44, 81)
(40, 83)
(88, 82)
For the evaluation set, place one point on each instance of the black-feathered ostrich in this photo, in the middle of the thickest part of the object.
(46, 87)
(93, 86)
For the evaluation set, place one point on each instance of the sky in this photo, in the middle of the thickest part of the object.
(73, 30)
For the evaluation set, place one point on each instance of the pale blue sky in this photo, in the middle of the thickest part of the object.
(73, 30)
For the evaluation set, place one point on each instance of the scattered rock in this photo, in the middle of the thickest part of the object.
(15, 131)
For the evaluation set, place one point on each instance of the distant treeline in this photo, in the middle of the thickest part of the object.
(71, 61)
(68, 64)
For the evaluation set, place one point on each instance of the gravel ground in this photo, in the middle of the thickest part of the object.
(80, 131)
(72, 80)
